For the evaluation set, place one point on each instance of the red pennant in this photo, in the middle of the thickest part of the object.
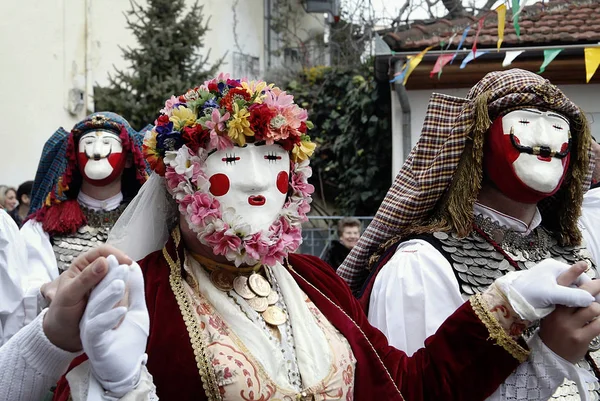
(442, 60)
(479, 26)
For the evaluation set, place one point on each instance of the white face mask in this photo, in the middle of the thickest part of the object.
(535, 128)
(101, 155)
(252, 180)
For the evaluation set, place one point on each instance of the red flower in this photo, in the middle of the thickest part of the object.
(303, 128)
(260, 118)
(212, 86)
(182, 99)
(195, 137)
(289, 142)
(162, 120)
(231, 96)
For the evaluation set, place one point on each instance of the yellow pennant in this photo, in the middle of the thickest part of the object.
(501, 11)
(413, 62)
(592, 60)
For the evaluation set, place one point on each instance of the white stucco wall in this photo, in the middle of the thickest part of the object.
(585, 96)
(43, 52)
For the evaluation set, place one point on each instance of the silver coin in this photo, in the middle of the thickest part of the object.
(440, 235)
(460, 267)
(259, 285)
(503, 265)
(476, 270)
(449, 249)
(468, 245)
(259, 304)
(273, 297)
(457, 258)
(467, 289)
(481, 261)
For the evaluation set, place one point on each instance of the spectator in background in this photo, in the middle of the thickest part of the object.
(9, 201)
(348, 232)
(20, 213)
(3, 189)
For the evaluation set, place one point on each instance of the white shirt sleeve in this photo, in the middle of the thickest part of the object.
(416, 291)
(413, 294)
(42, 266)
(589, 222)
(18, 307)
(30, 364)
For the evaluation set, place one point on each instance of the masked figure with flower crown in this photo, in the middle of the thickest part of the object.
(230, 311)
(84, 181)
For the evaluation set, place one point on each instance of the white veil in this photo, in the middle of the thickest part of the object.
(144, 226)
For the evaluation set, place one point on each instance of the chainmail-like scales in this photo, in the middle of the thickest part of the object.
(476, 264)
(94, 233)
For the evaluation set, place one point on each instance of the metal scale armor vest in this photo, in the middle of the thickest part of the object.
(88, 236)
(477, 263)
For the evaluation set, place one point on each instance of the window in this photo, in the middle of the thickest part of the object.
(245, 66)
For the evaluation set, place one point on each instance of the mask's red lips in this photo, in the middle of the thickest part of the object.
(256, 200)
(545, 159)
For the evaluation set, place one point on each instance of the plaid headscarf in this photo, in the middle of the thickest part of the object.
(57, 177)
(449, 154)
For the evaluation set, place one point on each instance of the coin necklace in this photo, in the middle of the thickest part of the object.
(254, 289)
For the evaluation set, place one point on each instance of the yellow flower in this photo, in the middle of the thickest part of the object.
(239, 126)
(182, 117)
(303, 151)
(257, 87)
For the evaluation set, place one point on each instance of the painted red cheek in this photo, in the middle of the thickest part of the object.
(511, 152)
(282, 182)
(219, 184)
(564, 147)
(116, 159)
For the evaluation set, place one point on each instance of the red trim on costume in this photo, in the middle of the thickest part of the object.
(63, 218)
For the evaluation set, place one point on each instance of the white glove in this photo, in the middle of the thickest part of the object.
(116, 354)
(534, 293)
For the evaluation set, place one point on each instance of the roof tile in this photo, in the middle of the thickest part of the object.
(557, 22)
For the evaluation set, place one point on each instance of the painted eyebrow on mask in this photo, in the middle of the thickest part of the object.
(549, 114)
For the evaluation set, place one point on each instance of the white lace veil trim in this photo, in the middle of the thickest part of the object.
(145, 225)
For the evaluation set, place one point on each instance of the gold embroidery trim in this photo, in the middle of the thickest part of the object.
(207, 374)
(497, 333)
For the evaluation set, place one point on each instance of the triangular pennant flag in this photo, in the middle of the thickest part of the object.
(479, 26)
(450, 41)
(516, 11)
(413, 62)
(501, 11)
(399, 76)
(462, 39)
(510, 56)
(549, 55)
(470, 57)
(442, 60)
(592, 60)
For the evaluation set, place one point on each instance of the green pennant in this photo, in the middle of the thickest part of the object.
(549, 55)
(515, 9)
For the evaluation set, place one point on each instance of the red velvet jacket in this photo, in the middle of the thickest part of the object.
(459, 362)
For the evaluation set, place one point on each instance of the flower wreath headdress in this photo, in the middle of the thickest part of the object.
(218, 115)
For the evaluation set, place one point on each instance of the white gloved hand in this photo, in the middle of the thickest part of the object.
(534, 293)
(116, 354)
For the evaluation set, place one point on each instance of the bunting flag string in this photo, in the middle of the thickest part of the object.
(510, 56)
(592, 60)
(501, 11)
(479, 26)
(470, 57)
(516, 10)
(399, 76)
(462, 39)
(441, 61)
(413, 62)
(549, 55)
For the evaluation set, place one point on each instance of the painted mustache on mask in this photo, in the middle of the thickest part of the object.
(544, 151)
(97, 156)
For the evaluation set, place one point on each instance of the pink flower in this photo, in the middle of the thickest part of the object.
(224, 242)
(185, 202)
(173, 179)
(217, 123)
(219, 142)
(301, 186)
(169, 104)
(276, 253)
(278, 99)
(256, 246)
(203, 208)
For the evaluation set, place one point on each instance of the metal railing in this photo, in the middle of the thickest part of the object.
(319, 231)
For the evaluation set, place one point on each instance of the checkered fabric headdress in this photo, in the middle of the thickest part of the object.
(55, 179)
(452, 136)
